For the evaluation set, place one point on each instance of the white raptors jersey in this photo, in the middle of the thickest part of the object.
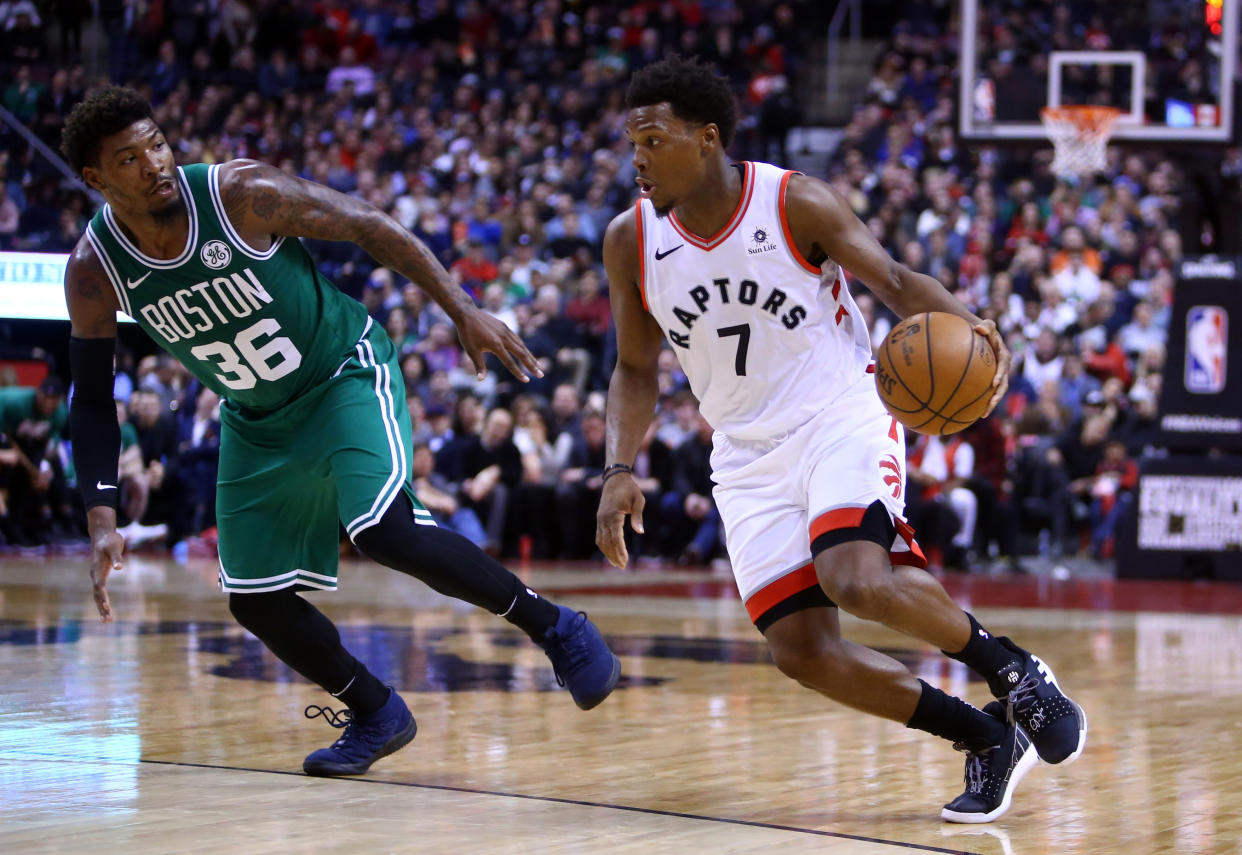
(766, 339)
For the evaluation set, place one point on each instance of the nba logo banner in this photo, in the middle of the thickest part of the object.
(1204, 411)
(1207, 349)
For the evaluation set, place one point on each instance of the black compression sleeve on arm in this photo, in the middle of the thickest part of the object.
(92, 420)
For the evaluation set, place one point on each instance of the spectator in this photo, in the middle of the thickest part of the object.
(1076, 280)
(688, 516)
(135, 490)
(32, 481)
(943, 505)
(198, 452)
(440, 497)
(1112, 495)
(560, 339)
(1042, 363)
(542, 463)
(474, 269)
(168, 511)
(577, 495)
(1074, 461)
(439, 349)
(350, 76)
(22, 96)
(1141, 334)
(10, 217)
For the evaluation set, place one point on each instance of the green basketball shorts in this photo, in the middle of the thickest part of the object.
(338, 455)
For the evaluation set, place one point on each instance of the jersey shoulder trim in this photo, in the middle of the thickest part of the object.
(642, 254)
(785, 230)
(113, 275)
(748, 189)
(217, 204)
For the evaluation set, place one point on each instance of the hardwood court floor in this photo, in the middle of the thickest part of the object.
(173, 731)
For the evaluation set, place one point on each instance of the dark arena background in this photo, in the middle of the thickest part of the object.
(1070, 169)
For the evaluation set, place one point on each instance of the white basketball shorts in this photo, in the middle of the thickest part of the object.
(776, 496)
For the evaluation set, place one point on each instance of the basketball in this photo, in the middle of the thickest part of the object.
(934, 373)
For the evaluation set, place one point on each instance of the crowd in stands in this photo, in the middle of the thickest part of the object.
(1077, 273)
(493, 131)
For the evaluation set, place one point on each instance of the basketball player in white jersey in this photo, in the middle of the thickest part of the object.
(736, 266)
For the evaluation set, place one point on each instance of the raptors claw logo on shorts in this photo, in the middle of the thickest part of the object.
(893, 478)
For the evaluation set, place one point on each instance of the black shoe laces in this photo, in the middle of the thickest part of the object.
(336, 718)
(343, 718)
(569, 648)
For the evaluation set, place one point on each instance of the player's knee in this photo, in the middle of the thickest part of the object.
(248, 609)
(255, 612)
(863, 589)
(808, 660)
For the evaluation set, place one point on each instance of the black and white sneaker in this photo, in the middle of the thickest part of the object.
(992, 774)
(1056, 725)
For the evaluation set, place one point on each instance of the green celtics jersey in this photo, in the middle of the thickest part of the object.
(258, 327)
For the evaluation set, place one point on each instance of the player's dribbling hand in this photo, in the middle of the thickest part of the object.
(107, 547)
(481, 333)
(620, 496)
(1000, 381)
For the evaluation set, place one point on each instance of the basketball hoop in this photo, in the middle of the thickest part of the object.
(1079, 137)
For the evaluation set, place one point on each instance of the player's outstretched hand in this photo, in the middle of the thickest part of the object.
(107, 548)
(620, 496)
(481, 333)
(1000, 381)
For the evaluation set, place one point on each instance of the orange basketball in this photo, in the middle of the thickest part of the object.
(934, 373)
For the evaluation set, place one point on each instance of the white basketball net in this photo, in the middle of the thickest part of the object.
(1079, 138)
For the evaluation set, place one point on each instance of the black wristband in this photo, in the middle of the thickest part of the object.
(613, 469)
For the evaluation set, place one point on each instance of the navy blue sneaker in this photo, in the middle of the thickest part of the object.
(1056, 725)
(992, 774)
(580, 658)
(365, 740)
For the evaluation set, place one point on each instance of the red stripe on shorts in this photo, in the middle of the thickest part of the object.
(835, 519)
(782, 589)
(915, 557)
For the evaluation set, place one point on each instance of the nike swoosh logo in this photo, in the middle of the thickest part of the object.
(660, 255)
(100, 485)
(131, 284)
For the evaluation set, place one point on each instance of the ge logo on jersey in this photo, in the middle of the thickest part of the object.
(216, 254)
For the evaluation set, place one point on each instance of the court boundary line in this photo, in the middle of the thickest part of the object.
(46, 757)
(559, 800)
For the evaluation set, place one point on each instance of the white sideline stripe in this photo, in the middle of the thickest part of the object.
(291, 574)
(280, 587)
(392, 431)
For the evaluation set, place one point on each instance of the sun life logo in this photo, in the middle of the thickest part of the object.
(760, 242)
(216, 254)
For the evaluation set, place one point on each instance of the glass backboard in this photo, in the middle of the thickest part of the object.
(1168, 65)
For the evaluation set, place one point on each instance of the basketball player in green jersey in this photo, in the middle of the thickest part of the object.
(315, 432)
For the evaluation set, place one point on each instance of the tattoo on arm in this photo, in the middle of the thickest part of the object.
(88, 293)
(90, 285)
(266, 199)
(265, 202)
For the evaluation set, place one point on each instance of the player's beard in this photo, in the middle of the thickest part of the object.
(172, 211)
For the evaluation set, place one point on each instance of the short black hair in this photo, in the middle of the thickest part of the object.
(692, 88)
(103, 113)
